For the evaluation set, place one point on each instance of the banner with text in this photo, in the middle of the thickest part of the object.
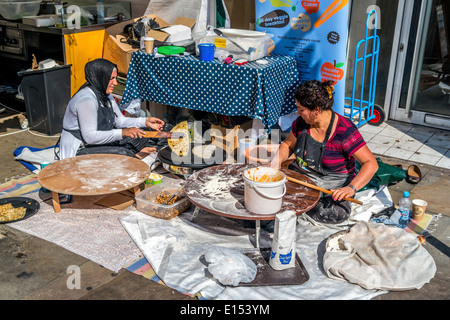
(315, 32)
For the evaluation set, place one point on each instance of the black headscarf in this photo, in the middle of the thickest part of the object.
(98, 74)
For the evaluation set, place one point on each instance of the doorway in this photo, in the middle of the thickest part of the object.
(421, 76)
(413, 78)
(387, 13)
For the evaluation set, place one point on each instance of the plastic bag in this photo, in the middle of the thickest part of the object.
(134, 108)
(229, 266)
(386, 174)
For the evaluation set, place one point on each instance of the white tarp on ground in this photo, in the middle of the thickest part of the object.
(175, 249)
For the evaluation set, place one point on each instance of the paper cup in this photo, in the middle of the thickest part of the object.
(148, 44)
(244, 144)
(44, 164)
(419, 208)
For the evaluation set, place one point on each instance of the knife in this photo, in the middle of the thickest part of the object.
(163, 134)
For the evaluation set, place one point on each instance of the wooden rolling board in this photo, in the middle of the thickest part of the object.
(96, 174)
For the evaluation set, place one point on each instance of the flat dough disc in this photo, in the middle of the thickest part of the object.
(180, 146)
(204, 151)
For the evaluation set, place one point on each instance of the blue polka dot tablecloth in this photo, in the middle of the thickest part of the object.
(259, 91)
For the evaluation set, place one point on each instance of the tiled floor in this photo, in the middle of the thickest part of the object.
(409, 142)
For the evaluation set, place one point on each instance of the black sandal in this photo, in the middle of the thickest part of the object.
(413, 174)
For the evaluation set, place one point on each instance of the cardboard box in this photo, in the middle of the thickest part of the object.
(180, 30)
(120, 52)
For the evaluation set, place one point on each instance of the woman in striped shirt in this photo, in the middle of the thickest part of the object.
(326, 146)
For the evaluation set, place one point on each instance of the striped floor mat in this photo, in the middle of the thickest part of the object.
(18, 187)
(143, 268)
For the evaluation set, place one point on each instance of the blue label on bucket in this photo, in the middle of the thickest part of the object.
(206, 51)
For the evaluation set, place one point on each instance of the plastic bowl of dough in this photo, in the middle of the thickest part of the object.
(261, 153)
(15, 10)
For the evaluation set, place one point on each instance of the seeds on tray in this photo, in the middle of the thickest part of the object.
(163, 197)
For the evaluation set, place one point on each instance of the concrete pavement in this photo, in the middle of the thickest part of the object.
(33, 268)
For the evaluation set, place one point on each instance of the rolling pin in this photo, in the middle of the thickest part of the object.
(163, 134)
(306, 184)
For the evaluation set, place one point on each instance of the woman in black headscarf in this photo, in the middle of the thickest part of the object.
(93, 122)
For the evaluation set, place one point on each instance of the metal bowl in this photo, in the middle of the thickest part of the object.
(182, 171)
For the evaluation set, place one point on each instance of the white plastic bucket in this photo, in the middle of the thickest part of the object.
(264, 189)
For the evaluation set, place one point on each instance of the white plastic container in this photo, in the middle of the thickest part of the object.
(260, 43)
(41, 21)
(264, 189)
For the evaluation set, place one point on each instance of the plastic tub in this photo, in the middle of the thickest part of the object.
(145, 200)
(264, 189)
(154, 178)
(206, 51)
(261, 154)
(15, 10)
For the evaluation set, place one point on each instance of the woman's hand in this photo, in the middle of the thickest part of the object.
(132, 132)
(154, 123)
(341, 193)
(283, 152)
(369, 167)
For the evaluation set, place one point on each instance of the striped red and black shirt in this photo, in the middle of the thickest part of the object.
(344, 142)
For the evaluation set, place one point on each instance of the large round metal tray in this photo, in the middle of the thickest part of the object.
(229, 201)
(165, 155)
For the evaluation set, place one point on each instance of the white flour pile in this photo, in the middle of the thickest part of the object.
(218, 187)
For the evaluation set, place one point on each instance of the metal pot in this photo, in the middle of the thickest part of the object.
(48, 7)
(183, 171)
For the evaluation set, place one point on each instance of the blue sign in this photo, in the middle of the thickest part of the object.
(315, 33)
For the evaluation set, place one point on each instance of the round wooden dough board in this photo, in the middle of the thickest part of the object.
(94, 174)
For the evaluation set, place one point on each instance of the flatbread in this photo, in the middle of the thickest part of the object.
(9, 213)
(204, 151)
(180, 146)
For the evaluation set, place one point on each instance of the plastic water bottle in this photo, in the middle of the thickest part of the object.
(100, 12)
(404, 207)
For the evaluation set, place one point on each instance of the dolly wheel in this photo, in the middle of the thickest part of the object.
(379, 114)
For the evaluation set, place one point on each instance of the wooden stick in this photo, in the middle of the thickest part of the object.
(163, 134)
(306, 184)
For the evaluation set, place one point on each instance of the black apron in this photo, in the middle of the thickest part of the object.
(308, 161)
(309, 152)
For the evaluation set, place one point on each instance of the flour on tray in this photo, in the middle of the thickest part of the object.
(218, 187)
